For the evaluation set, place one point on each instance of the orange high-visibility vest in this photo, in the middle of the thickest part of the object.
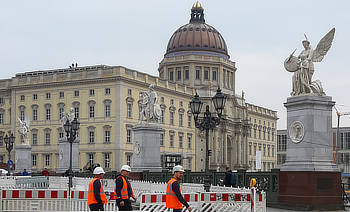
(171, 199)
(91, 196)
(124, 191)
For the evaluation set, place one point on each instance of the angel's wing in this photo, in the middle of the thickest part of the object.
(27, 121)
(323, 46)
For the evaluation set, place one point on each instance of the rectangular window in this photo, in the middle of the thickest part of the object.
(76, 112)
(161, 139)
(129, 92)
(107, 110)
(189, 141)
(214, 75)
(48, 114)
(273, 151)
(254, 149)
(250, 148)
(22, 97)
(91, 137)
(2, 100)
(48, 95)
(107, 91)
(128, 136)
(187, 73)
(33, 160)
(128, 160)
(61, 94)
(21, 115)
(1, 118)
(76, 93)
(47, 138)
(129, 110)
(268, 150)
(198, 73)
(92, 112)
(172, 118)
(181, 120)
(264, 147)
(60, 135)
(171, 76)
(92, 92)
(189, 121)
(178, 75)
(47, 160)
(107, 136)
(107, 160)
(60, 112)
(91, 158)
(171, 140)
(35, 96)
(206, 74)
(181, 141)
(162, 117)
(34, 139)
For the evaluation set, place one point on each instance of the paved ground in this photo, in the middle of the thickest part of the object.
(281, 210)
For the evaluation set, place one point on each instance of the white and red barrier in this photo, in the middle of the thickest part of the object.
(210, 201)
(46, 200)
(43, 194)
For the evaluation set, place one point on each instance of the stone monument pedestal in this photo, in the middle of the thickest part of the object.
(310, 180)
(64, 156)
(23, 157)
(147, 148)
(309, 190)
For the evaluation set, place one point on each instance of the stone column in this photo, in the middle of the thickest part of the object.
(23, 157)
(147, 148)
(64, 156)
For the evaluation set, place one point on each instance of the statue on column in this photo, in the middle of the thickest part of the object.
(68, 116)
(23, 130)
(303, 67)
(149, 109)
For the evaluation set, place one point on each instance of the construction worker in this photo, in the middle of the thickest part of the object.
(123, 189)
(174, 198)
(96, 195)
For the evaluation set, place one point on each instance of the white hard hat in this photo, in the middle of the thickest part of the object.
(125, 168)
(178, 168)
(98, 170)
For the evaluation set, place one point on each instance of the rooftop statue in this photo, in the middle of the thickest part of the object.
(149, 109)
(303, 66)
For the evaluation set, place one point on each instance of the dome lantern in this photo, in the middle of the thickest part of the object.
(197, 13)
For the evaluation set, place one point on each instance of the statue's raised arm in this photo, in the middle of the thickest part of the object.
(303, 67)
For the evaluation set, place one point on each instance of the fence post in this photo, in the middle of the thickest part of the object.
(1, 209)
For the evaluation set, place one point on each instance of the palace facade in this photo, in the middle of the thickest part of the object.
(105, 100)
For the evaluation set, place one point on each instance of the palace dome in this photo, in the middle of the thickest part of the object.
(197, 35)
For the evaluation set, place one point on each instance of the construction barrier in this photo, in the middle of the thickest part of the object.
(210, 201)
(46, 200)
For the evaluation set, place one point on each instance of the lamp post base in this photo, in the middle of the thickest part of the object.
(207, 182)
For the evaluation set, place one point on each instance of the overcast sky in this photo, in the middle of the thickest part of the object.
(42, 35)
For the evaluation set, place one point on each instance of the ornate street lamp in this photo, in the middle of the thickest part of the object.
(9, 141)
(207, 122)
(71, 129)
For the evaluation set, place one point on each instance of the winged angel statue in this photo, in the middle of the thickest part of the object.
(23, 130)
(303, 66)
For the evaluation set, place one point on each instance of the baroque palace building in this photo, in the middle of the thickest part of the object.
(105, 100)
